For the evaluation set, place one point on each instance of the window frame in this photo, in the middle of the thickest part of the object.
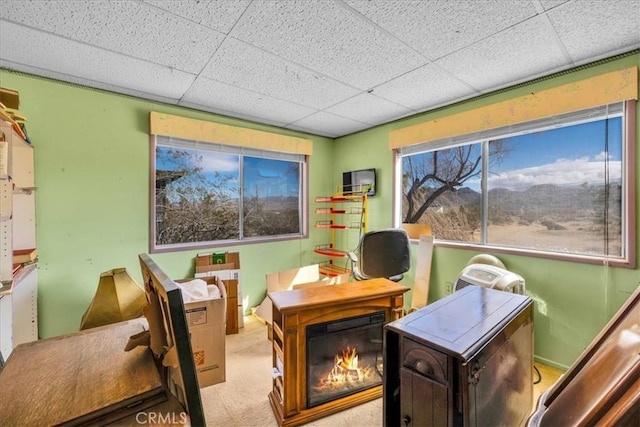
(154, 247)
(628, 234)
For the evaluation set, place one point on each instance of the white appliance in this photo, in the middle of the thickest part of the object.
(489, 276)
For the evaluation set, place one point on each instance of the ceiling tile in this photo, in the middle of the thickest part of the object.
(218, 15)
(370, 109)
(131, 28)
(550, 4)
(212, 94)
(80, 81)
(425, 88)
(21, 45)
(326, 37)
(439, 28)
(320, 132)
(580, 27)
(232, 114)
(310, 64)
(512, 56)
(239, 64)
(328, 124)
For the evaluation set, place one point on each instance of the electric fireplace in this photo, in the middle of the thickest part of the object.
(328, 348)
(344, 357)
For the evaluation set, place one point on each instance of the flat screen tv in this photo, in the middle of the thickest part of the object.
(361, 181)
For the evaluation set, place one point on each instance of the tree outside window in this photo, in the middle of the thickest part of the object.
(556, 189)
(208, 194)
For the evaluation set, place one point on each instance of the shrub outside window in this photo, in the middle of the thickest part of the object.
(554, 187)
(211, 194)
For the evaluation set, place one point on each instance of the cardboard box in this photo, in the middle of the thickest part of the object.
(232, 306)
(211, 269)
(226, 266)
(414, 231)
(231, 278)
(304, 277)
(233, 258)
(206, 321)
(217, 261)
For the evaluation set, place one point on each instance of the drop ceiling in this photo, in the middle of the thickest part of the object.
(325, 67)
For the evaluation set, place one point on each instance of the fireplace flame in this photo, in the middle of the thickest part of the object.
(346, 369)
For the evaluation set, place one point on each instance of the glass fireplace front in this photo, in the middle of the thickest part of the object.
(344, 357)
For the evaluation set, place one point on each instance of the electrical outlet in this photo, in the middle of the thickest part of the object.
(448, 288)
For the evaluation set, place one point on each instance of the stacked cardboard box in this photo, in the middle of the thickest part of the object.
(304, 277)
(206, 321)
(226, 266)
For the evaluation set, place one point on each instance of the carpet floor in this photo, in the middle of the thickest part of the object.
(242, 400)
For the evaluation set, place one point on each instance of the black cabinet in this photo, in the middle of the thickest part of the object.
(465, 360)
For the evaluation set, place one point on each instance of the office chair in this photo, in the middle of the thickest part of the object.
(382, 253)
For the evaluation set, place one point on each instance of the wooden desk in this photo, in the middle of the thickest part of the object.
(84, 377)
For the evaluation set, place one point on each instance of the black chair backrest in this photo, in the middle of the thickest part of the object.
(384, 253)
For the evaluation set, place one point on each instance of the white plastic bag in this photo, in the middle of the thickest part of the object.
(198, 290)
(214, 292)
(194, 290)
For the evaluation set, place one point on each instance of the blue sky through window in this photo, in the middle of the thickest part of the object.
(262, 177)
(570, 155)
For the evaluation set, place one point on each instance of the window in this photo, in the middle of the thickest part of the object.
(210, 194)
(555, 187)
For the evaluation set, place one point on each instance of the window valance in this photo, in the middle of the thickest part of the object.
(201, 130)
(616, 86)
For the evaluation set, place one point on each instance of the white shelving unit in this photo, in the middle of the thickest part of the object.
(19, 290)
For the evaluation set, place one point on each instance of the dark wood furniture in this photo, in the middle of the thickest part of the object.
(170, 337)
(87, 377)
(79, 378)
(602, 387)
(466, 359)
(296, 309)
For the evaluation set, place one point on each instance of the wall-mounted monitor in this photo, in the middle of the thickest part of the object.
(362, 181)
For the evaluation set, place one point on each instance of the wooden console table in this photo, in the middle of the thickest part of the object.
(296, 309)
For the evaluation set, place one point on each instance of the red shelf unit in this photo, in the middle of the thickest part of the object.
(328, 250)
(331, 270)
(342, 214)
(330, 211)
(329, 224)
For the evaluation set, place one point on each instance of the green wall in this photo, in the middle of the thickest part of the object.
(92, 207)
(92, 153)
(573, 301)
